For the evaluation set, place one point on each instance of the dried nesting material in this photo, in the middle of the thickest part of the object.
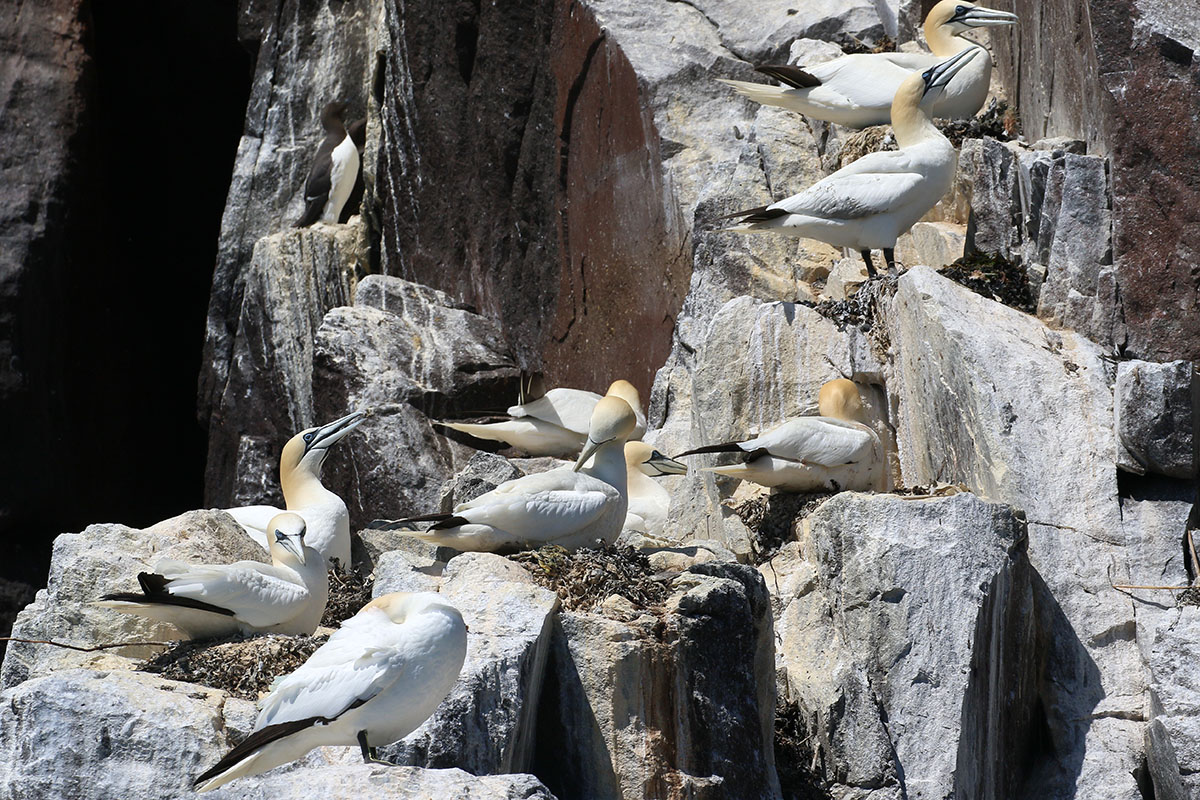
(243, 667)
(852, 44)
(998, 121)
(860, 309)
(797, 759)
(875, 139)
(994, 277)
(771, 518)
(585, 578)
(349, 591)
(931, 490)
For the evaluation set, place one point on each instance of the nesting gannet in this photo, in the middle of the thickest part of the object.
(333, 172)
(555, 424)
(857, 90)
(204, 600)
(569, 506)
(380, 675)
(835, 451)
(868, 203)
(300, 478)
(648, 501)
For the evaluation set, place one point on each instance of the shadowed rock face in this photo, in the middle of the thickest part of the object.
(1121, 75)
(562, 226)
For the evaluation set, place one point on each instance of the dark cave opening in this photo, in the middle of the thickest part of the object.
(151, 167)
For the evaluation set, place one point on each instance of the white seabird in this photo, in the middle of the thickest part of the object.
(333, 172)
(870, 202)
(300, 478)
(857, 90)
(834, 451)
(648, 501)
(207, 600)
(555, 424)
(569, 506)
(380, 675)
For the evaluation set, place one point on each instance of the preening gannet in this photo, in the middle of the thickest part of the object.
(300, 477)
(835, 451)
(857, 90)
(205, 600)
(555, 424)
(868, 203)
(648, 501)
(333, 172)
(380, 675)
(569, 506)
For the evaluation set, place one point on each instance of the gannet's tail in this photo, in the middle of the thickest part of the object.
(781, 96)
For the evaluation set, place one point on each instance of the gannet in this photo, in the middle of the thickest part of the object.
(333, 172)
(300, 478)
(570, 506)
(206, 600)
(857, 90)
(648, 501)
(834, 451)
(555, 424)
(867, 204)
(380, 675)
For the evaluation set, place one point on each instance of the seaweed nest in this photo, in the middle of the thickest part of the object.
(795, 756)
(243, 667)
(585, 578)
(772, 517)
(860, 309)
(998, 121)
(852, 44)
(993, 276)
(349, 591)
(875, 139)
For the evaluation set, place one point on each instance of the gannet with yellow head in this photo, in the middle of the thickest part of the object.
(835, 451)
(555, 424)
(570, 506)
(380, 675)
(205, 600)
(870, 202)
(324, 512)
(857, 90)
(649, 502)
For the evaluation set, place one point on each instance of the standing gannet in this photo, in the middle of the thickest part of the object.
(333, 172)
(648, 501)
(380, 675)
(867, 204)
(835, 451)
(569, 506)
(300, 478)
(206, 600)
(857, 90)
(555, 424)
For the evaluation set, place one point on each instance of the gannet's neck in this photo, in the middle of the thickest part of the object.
(302, 488)
(910, 123)
(943, 42)
(608, 465)
(640, 484)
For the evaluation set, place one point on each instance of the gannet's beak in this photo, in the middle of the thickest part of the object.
(588, 448)
(327, 435)
(666, 466)
(287, 543)
(976, 17)
(940, 74)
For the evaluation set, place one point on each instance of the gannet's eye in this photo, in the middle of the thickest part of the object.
(927, 75)
(308, 437)
(657, 454)
(280, 535)
(961, 11)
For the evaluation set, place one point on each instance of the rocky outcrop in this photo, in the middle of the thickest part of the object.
(1158, 417)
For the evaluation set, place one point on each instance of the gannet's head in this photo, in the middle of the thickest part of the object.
(400, 606)
(612, 421)
(840, 399)
(644, 458)
(627, 392)
(958, 16)
(307, 450)
(332, 114)
(285, 537)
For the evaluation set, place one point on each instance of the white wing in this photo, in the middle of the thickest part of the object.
(822, 441)
(367, 654)
(569, 408)
(545, 505)
(859, 189)
(258, 594)
(864, 80)
(255, 519)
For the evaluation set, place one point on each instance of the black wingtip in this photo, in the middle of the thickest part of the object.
(759, 214)
(397, 524)
(727, 447)
(154, 590)
(787, 74)
(253, 742)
